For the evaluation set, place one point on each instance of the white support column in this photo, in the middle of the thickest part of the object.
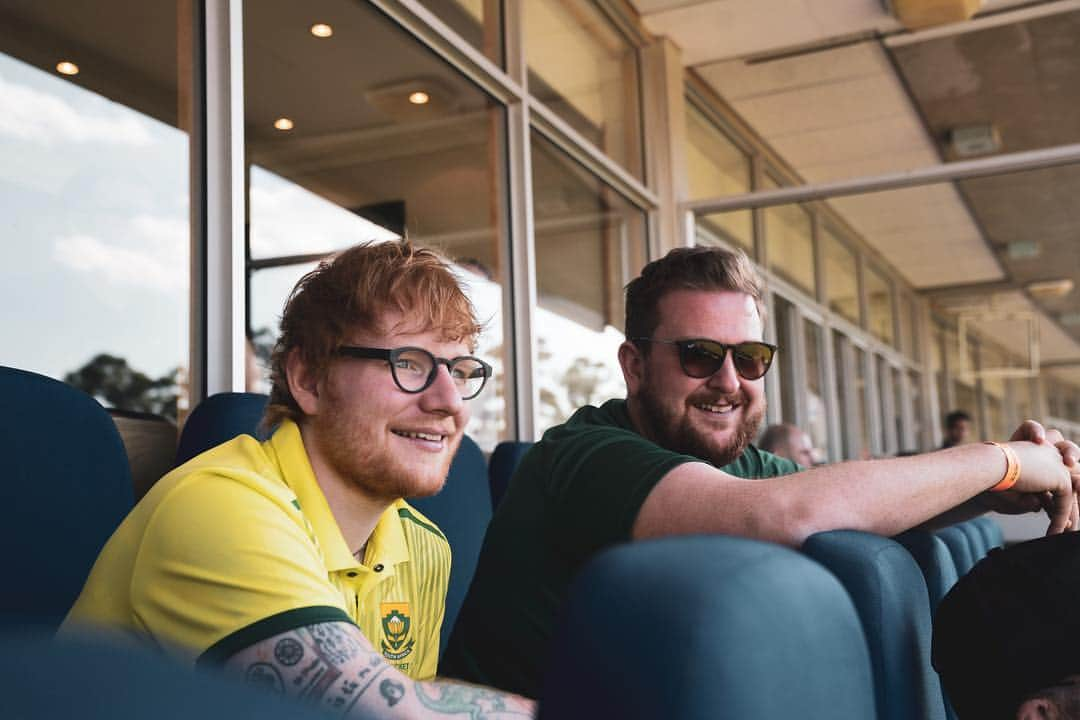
(217, 202)
(519, 265)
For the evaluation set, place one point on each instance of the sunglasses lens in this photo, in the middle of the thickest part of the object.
(701, 359)
(752, 359)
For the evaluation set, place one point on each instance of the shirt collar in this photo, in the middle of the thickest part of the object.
(387, 542)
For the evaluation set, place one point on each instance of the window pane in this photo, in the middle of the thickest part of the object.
(478, 22)
(373, 168)
(94, 198)
(880, 305)
(915, 388)
(841, 277)
(909, 341)
(785, 326)
(590, 242)
(586, 71)
(816, 421)
(715, 167)
(852, 397)
(788, 243)
(862, 432)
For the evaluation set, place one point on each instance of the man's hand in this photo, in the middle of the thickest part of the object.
(1014, 503)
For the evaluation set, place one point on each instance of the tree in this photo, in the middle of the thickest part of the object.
(116, 384)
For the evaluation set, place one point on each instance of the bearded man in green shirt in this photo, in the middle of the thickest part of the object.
(675, 458)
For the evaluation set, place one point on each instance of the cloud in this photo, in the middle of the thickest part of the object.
(157, 258)
(33, 115)
(286, 219)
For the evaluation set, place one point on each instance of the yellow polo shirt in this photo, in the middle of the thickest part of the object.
(238, 545)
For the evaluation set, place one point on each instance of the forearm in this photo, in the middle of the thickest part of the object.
(332, 665)
(879, 496)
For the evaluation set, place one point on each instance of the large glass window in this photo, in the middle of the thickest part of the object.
(94, 198)
(841, 277)
(851, 391)
(879, 303)
(590, 242)
(789, 245)
(786, 327)
(360, 160)
(585, 70)
(716, 166)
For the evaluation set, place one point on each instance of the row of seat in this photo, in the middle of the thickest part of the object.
(700, 627)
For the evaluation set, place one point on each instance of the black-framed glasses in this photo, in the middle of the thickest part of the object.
(414, 369)
(701, 357)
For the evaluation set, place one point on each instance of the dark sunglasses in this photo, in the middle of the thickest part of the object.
(701, 358)
(414, 369)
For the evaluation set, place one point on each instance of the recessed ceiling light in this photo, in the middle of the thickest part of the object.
(283, 123)
(1050, 288)
(322, 30)
(419, 98)
(67, 68)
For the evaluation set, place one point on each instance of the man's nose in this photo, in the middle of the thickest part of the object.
(725, 379)
(443, 395)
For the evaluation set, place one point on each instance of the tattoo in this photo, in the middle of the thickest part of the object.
(392, 691)
(266, 676)
(333, 644)
(288, 651)
(452, 699)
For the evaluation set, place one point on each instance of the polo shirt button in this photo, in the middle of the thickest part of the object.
(378, 568)
(352, 573)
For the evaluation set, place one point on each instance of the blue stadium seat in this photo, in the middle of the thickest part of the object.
(705, 628)
(890, 596)
(90, 680)
(934, 559)
(66, 485)
(217, 419)
(501, 467)
(960, 548)
(991, 531)
(462, 511)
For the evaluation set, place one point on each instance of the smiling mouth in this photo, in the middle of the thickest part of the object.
(427, 437)
(723, 408)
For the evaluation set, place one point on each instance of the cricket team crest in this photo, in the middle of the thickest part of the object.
(396, 624)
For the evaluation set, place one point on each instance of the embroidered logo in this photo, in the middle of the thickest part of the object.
(396, 643)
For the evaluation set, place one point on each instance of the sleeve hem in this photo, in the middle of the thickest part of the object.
(218, 653)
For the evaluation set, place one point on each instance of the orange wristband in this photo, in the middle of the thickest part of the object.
(1012, 468)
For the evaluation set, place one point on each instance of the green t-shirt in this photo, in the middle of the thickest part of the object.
(576, 492)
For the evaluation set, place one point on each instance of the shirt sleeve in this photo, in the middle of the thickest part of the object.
(598, 480)
(221, 560)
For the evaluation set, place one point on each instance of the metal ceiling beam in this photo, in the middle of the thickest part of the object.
(948, 172)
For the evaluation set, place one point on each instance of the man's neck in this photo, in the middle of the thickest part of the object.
(356, 512)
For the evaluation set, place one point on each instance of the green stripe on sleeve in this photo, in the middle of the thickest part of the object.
(218, 653)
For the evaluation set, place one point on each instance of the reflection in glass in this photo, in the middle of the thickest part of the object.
(789, 246)
(841, 277)
(586, 71)
(94, 199)
(879, 303)
(816, 421)
(374, 167)
(476, 21)
(590, 242)
(715, 166)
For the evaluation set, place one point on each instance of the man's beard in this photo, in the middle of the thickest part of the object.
(360, 456)
(678, 434)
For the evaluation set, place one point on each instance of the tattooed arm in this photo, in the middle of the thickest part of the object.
(335, 667)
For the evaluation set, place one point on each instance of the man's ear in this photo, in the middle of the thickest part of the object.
(303, 384)
(632, 363)
(1039, 708)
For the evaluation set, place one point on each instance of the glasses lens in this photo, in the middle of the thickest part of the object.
(701, 358)
(469, 374)
(412, 368)
(752, 359)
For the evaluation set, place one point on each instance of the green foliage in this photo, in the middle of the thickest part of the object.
(115, 384)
